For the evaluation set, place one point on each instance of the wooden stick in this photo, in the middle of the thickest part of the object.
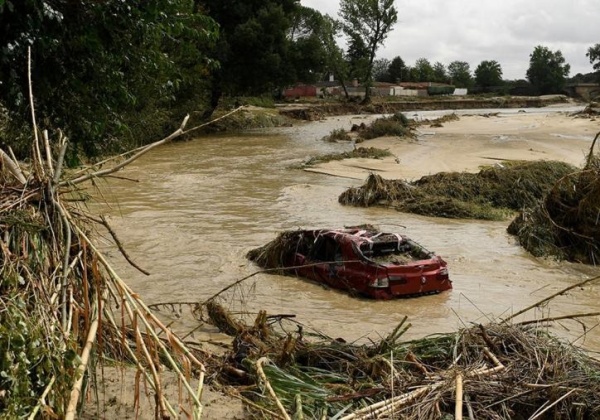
(558, 318)
(126, 162)
(541, 302)
(85, 354)
(48, 153)
(37, 161)
(458, 407)
(262, 375)
(12, 167)
(552, 405)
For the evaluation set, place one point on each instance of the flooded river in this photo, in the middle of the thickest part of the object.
(197, 207)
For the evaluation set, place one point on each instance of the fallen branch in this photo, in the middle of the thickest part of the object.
(549, 298)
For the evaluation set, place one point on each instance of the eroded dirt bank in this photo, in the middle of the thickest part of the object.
(317, 111)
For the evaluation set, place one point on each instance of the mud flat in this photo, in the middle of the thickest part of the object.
(474, 141)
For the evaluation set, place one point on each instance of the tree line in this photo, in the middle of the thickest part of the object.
(113, 74)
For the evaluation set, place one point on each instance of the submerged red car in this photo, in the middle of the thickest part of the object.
(360, 260)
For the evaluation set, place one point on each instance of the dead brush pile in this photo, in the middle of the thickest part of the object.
(496, 371)
(566, 223)
(493, 193)
(359, 152)
(63, 309)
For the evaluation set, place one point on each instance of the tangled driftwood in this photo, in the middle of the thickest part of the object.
(566, 223)
(62, 306)
(497, 371)
(492, 193)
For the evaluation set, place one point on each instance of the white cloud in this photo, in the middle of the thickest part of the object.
(475, 30)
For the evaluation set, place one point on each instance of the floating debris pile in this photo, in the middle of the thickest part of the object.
(566, 223)
(492, 371)
(493, 193)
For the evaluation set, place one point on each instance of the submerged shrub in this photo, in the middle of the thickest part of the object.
(337, 135)
(388, 126)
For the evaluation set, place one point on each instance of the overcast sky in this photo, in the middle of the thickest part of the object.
(475, 30)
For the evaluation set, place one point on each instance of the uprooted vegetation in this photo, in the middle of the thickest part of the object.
(394, 125)
(282, 369)
(360, 152)
(566, 223)
(491, 194)
(59, 294)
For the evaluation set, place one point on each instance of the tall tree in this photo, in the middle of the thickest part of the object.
(254, 44)
(381, 70)
(594, 55)
(100, 68)
(307, 54)
(547, 70)
(440, 74)
(397, 70)
(460, 74)
(369, 21)
(357, 56)
(335, 61)
(423, 70)
(488, 74)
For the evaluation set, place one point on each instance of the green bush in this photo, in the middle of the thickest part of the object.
(390, 126)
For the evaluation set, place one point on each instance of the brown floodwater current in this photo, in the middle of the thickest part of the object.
(197, 207)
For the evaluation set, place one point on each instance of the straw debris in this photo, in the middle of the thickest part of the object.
(360, 152)
(494, 371)
(493, 193)
(566, 223)
(63, 308)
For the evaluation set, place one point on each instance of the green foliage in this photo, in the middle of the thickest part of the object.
(460, 74)
(97, 65)
(254, 48)
(547, 70)
(307, 54)
(28, 359)
(423, 70)
(335, 61)
(440, 75)
(367, 24)
(593, 54)
(440, 90)
(387, 126)
(488, 74)
(381, 70)
(397, 70)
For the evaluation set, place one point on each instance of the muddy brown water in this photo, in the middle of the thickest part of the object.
(198, 206)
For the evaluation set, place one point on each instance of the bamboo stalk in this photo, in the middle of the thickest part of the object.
(136, 360)
(41, 400)
(91, 338)
(458, 407)
(63, 142)
(48, 153)
(12, 167)
(126, 162)
(538, 414)
(37, 161)
(558, 318)
(541, 302)
(263, 377)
